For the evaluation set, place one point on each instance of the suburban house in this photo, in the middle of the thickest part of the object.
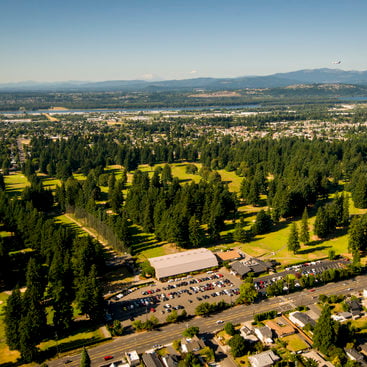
(301, 319)
(248, 334)
(355, 307)
(363, 349)
(170, 360)
(280, 327)
(264, 334)
(193, 344)
(151, 360)
(342, 316)
(132, 358)
(312, 354)
(353, 355)
(264, 359)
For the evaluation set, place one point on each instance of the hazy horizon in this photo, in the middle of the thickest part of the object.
(160, 80)
(62, 41)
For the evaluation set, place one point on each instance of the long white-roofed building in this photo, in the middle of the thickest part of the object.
(183, 262)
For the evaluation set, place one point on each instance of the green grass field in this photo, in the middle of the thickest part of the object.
(74, 341)
(15, 183)
(295, 343)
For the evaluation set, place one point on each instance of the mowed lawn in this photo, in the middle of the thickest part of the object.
(15, 183)
(74, 341)
(295, 343)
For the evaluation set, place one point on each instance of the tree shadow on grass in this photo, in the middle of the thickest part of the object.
(138, 248)
(312, 249)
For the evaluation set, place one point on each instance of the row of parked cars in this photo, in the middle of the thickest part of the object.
(147, 302)
(313, 268)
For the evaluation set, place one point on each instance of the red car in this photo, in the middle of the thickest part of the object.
(106, 358)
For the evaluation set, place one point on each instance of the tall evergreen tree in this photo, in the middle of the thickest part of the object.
(324, 222)
(85, 359)
(2, 182)
(240, 234)
(359, 192)
(89, 295)
(263, 223)
(196, 234)
(293, 242)
(167, 174)
(357, 233)
(324, 335)
(60, 292)
(305, 234)
(13, 315)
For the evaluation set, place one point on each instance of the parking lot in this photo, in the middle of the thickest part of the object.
(161, 298)
(312, 268)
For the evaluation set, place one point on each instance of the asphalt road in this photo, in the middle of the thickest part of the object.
(145, 340)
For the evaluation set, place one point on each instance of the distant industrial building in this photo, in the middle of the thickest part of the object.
(183, 262)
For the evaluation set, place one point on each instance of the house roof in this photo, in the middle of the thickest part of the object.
(170, 360)
(303, 317)
(265, 331)
(151, 360)
(253, 265)
(228, 255)
(132, 355)
(183, 262)
(354, 305)
(353, 354)
(266, 358)
(280, 326)
(316, 357)
(194, 344)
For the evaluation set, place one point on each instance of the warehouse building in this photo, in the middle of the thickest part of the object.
(183, 262)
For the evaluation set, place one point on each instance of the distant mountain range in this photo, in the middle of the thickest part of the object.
(310, 76)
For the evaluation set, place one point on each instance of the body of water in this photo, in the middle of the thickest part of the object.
(353, 99)
(106, 110)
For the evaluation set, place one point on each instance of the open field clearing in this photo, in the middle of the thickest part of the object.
(77, 340)
(49, 182)
(15, 183)
(295, 343)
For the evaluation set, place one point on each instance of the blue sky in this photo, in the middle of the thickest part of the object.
(53, 40)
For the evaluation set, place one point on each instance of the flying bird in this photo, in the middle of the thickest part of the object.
(336, 62)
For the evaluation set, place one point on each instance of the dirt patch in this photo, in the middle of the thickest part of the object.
(59, 109)
(171, 248)
(216, 94)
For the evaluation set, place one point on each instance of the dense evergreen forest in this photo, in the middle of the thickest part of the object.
(60, 270)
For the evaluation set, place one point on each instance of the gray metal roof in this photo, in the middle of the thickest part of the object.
(183, 262)
(151, 360)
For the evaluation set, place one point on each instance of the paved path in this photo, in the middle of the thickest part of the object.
(85, 229)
